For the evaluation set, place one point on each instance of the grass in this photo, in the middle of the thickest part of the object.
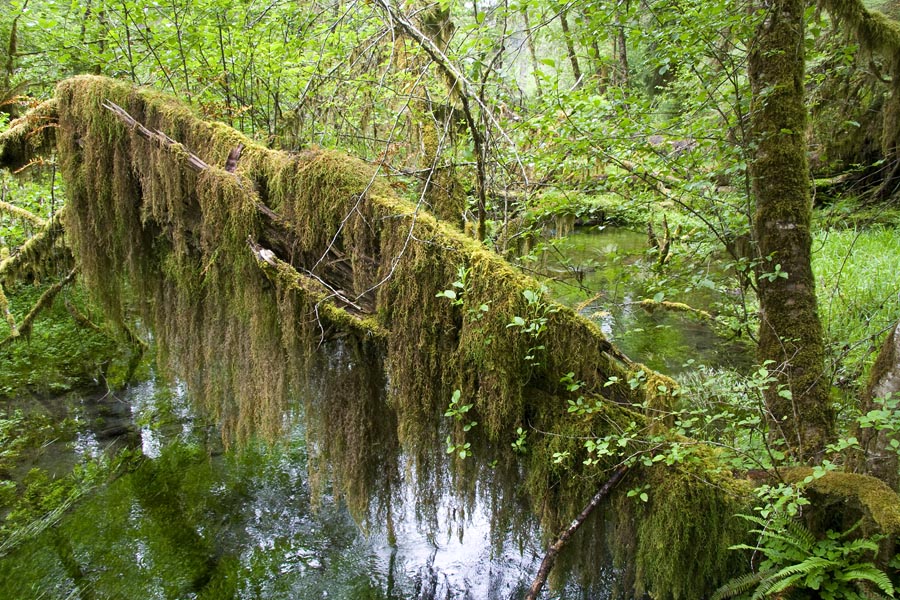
(856, 273)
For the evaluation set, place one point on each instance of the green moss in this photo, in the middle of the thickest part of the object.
(876, 31)
(345, 314)
(871, 496)
(679, 556)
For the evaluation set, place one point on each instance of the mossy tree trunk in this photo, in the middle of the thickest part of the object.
(880, 457)
(790, 331)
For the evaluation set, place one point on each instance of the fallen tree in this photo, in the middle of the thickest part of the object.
(267, 276)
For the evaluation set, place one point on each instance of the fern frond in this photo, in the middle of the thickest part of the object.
(741, 584)
(763, 588)
(758, 520)
(867, 572)
(801, 534)
(807, 566)
(783, 584)
(859, 545)
(800, 543)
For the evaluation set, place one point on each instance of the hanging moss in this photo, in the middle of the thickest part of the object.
(301, 276)
(684, 528)
(28, 136)
(876, 31)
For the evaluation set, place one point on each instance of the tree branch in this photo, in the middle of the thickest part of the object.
(28, 136)
(460, 84)
(21, 213)
(568, 532)
(46, 299)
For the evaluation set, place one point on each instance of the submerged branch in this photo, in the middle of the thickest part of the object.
(555, 548)
(650, 305)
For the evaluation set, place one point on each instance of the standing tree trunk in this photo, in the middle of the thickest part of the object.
(619, 45)
(879, 457)
(529, 37)
(570, 45)
(790, 331)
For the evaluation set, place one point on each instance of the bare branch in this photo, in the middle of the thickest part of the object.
(568, 532)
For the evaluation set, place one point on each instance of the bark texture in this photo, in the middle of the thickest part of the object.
(790, 330)
(881, 459)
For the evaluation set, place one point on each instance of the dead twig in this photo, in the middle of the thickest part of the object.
(568, 532)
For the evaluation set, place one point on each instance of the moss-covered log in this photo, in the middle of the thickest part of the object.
(790, 333)
(287, 276)
(850, 496)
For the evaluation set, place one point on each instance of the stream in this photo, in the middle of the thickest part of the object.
(189, 519)
(605, 272)
(194, 521)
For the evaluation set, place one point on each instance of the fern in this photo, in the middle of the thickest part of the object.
(870, 573)
(779, 585)
(741, 584)
(813, 563)
(795, 560)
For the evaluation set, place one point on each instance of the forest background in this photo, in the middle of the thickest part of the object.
(517, 121)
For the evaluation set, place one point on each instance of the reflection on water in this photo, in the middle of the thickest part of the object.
(192, 521)
(606, 271)
(189, 520)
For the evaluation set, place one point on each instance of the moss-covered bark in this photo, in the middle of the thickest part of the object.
(790, 331)
(878, 457)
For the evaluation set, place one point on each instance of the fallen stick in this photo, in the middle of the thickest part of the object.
(557, 545)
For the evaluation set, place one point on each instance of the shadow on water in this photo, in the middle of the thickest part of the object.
(189, 520)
